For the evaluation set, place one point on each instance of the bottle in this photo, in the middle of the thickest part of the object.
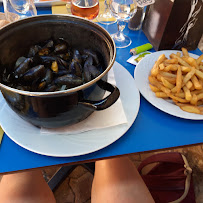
(135, 22)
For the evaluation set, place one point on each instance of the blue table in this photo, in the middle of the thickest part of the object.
(152, 129)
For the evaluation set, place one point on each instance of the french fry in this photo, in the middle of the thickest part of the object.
(185, 52)
(174, 90)
(199, 74)
(159, 77)
(199, 103)
(196, 83)
(197, 91)
(177, 98)
(199, 59)
(190, 109)
(179, 104)
(155, 69)
(194, 100)
(171, 67)
(174, 60)
(161, 95)
(161, 66)
(189, 84)
(200, 96)
(191, 61)
(185, 69)
(153, 88)
(166, 83)
(201, 67)
(188, 95)
(192, 88)
(201, 82)
(166, 74)
(169, 79)
(189, 75)
(180, 60)
(179, 79)
(178, 54)
(181, 95)
(200, 108)
(156, 83)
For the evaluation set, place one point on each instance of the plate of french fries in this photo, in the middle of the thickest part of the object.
(172, 81)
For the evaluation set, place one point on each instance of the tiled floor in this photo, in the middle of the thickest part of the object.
(77, 187)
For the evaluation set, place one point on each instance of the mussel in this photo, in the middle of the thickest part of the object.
(69, 80)
(34, 73)
(22, 68)
(52, 65)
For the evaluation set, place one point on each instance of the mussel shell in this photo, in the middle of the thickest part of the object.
(22, 68)
(34, 50)
(60, 48)
(70, 80)
(88, 61)
(77, 56)
(62, 72)
(45, 60)
(93, 54)
(6, 76)
(50, 88)
(49, 44)
(48, 77)
(34, 73)
(75, 68)
(19, 61)
(62, 62)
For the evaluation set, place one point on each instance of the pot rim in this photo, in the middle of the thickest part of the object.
(72, 90)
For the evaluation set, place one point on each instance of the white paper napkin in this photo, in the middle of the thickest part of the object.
(112, 116)
(132, 58)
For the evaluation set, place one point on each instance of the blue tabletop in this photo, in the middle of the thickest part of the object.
(152, 129)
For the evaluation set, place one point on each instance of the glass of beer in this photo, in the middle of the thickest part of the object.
(88, 9)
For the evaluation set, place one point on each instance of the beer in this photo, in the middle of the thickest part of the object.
(85, 9)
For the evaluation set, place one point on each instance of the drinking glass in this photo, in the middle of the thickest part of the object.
(19, 9)
(122, 10)
(88, 9)
(105, 16)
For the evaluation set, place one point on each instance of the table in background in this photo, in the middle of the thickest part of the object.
(152, 129)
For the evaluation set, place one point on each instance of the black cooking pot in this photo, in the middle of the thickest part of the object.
(55, 109)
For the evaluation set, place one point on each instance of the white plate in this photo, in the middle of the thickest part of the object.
(141, 73)
(29, 137)
(39, 3)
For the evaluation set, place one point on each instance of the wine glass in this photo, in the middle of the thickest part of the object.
(19, 9)
(105, 16)
(123, 10)
(88, 9)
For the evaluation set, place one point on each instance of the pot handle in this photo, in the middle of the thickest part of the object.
(107, 101)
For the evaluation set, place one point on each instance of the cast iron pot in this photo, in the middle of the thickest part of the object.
(55, 109)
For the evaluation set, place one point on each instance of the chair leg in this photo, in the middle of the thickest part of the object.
(60, 176)
(90, 167)
(63, 173)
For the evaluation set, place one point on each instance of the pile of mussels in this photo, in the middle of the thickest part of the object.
(53, 66)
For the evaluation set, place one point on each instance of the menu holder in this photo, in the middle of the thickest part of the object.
(174, 24)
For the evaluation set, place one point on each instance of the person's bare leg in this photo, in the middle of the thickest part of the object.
(25, 187)
(116, 181)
